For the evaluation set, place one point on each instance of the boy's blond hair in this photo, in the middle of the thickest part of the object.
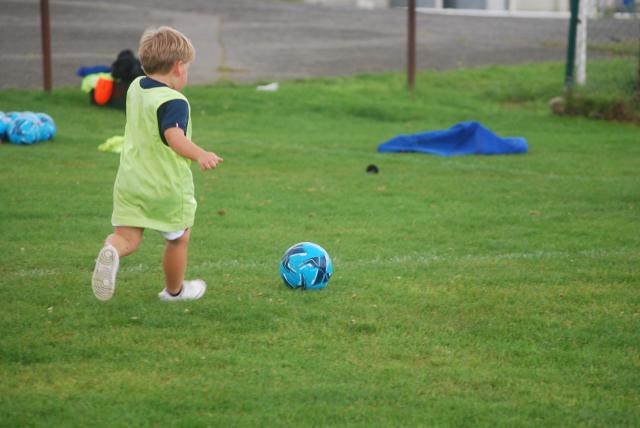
(161, 47)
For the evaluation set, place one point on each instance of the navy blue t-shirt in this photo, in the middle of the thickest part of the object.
(171, 114)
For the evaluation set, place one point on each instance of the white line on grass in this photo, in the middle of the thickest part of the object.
(415, 258)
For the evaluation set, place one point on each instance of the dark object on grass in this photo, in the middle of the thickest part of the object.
(126, 67)
(466, 138)
(124, 70)
(558, 105)
(372, 169)
(609, 108)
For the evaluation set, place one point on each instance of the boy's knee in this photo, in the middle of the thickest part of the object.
(183, 240)
(130, 238)
(134, 243)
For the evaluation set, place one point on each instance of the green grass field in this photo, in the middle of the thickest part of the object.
(468, 291)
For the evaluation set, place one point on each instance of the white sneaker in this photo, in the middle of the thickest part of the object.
(103, 281)
(191, 290)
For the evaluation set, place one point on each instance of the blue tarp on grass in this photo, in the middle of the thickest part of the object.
(466, 138)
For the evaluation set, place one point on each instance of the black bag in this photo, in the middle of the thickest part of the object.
(126, 67)
(124, 70)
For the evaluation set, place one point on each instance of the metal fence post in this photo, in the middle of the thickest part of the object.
(571, 48)
(45, 31)
(411, 46)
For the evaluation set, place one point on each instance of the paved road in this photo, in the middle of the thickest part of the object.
(265, 40)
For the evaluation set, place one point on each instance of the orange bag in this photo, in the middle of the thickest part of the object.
(102, 92)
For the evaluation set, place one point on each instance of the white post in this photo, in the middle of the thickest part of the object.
(513, 5)
(592, 9)
(439, 4)
(581, 43)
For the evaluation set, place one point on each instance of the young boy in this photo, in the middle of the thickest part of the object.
(154, 186)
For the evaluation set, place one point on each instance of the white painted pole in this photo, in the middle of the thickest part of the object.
(592, 9)
(581, 43)
(439, 4)
(513, 5)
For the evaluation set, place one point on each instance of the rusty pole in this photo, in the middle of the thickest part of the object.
(45, 31)
(411, 46)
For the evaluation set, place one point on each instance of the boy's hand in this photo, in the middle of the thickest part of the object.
(209, 160)
(186, 148)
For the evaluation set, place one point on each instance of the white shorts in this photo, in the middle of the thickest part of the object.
(169, 236)
(172, 236)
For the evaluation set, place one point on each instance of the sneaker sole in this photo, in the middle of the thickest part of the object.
(103, 281)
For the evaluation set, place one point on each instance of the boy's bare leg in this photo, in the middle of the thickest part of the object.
(175, 262)
(125, 239)
(122, 242)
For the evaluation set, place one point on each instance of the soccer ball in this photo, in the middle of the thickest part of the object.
(47, 127)
(23, 130)
(306, 265)
(4, 124)
(26, 127)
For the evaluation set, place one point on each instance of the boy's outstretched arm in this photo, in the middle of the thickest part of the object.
(188, 149)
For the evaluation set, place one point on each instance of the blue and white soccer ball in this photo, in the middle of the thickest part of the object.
(4, 124)
(306, 265)
(47, 129)
(23, 130)
(13, 115)
(26, 127)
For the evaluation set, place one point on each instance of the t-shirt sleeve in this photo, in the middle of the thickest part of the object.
(173, 114)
